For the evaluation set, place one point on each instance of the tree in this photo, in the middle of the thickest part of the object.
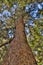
(19, 52)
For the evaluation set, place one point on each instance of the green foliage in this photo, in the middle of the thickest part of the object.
(35, 40)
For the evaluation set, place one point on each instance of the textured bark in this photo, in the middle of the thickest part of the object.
(19, 52)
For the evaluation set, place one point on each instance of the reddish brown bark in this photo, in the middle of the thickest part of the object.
(19, 52)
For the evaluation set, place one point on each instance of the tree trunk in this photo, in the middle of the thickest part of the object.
(19, 52)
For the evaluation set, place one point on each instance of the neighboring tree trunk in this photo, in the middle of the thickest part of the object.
(19, 52)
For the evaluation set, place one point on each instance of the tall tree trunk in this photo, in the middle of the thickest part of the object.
(19, 52)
